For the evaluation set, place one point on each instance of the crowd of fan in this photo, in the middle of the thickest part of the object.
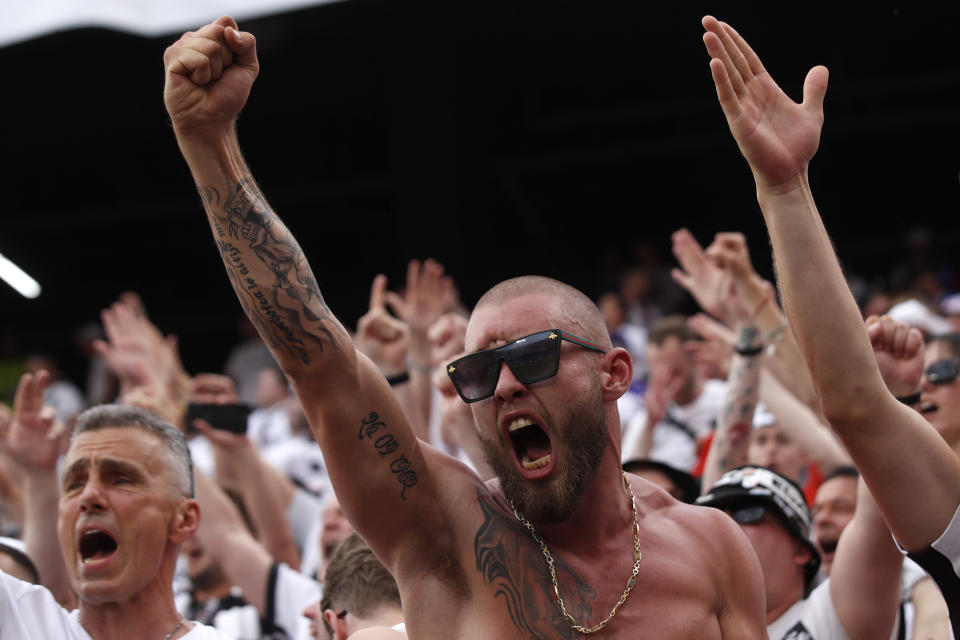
(725, 408)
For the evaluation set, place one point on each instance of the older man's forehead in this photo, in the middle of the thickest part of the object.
(122, 443)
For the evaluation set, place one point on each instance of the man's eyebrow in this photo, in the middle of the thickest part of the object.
(76, 467)
(110, 465)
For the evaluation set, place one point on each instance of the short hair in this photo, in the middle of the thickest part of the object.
(673, 326)
(843, 471)
(949, 340)
(108, 416)
(355, 580)
(578, 308)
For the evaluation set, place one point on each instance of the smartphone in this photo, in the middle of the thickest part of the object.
(229, 417)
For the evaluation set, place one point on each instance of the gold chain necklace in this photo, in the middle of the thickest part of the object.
(553, 573)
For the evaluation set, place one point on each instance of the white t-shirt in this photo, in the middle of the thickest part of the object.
(29, 612)
(813, 618)
(288, 594)
(672, 444)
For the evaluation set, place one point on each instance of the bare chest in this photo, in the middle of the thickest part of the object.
(510, 592)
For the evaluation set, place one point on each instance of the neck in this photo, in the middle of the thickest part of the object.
(148, 615)
(385, 616)
(603, 518)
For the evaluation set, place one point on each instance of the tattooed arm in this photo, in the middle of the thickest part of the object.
(375, 463)
(732, 438)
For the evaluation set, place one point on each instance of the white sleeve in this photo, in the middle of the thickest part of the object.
(30, 612)
(288, 594)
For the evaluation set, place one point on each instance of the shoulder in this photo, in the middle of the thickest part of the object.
(378, 633)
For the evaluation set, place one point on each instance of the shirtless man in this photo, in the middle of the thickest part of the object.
(465, 564)
(912, 472)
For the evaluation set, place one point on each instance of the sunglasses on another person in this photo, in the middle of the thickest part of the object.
(747, 515)
(531, 359)
(943, 371)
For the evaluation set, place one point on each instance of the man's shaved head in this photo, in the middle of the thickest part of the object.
(578, 313)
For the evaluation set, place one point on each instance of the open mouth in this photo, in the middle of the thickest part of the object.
(531, 443)
(928, 407)
(96, 545)
(828, 546)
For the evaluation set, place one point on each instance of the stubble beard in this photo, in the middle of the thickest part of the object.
(582, 439)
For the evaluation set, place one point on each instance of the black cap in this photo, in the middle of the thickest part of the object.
(750, 484)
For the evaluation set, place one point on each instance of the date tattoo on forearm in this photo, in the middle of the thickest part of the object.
(289, 312)
(375, 430)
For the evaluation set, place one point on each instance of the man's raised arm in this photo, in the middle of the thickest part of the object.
(779, 137)
(375, 463)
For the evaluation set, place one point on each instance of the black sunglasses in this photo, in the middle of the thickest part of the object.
(747, 515)
(943, 371)
(532, 358)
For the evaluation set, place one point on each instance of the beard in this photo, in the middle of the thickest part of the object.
(582, 439)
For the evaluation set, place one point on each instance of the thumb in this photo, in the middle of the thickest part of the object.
(815, 88)
(244, 47)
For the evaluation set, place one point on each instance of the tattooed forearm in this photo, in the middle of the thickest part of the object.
(269, 272)
(375, 430)
(732, 437)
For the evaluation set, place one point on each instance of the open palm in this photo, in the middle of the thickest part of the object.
(777, 136)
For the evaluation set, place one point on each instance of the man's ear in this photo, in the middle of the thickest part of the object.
(186, 520)
(616, 373)
(337, 624)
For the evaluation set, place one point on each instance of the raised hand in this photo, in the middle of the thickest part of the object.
(209, 73)
(129, 349)
(428, 295)
(34, 435)
(899, 352)
(707, 283)
(447, 337)
(777, 136)
(712, 354)
(664, 386)
(380, 336)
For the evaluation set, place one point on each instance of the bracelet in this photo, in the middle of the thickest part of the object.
(913, 398)
(749, 351)
(400, 378)
(416, 366)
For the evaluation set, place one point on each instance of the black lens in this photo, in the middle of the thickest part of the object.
(536, 359)
(943, 371)
(475, 376)
(748, 515)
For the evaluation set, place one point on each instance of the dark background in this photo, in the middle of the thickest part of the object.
(501, 138)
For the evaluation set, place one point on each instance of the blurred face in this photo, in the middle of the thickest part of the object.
(940, 403)
(672, 360)
(336, 527)
(271, 387)
(781, 556)
(544, 440)
(315, 616)
(771, 448)
(120, 515)
(832, 511)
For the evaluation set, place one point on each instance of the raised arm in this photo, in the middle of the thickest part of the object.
(374, 460)
(34, 440)
(779, 137)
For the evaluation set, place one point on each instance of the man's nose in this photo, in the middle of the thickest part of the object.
(508, 387)
(92, 498)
